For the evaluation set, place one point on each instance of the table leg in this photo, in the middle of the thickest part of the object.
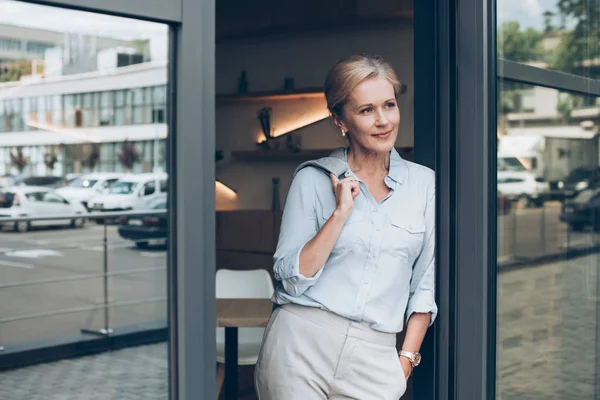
(231, 363)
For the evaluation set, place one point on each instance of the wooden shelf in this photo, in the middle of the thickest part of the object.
(304, 155)
(309, 93)
(279, 155)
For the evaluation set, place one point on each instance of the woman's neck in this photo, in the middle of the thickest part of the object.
(367, 162)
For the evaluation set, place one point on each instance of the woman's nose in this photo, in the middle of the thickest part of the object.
(381, 119)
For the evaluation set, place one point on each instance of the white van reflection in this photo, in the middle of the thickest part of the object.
(33, 201)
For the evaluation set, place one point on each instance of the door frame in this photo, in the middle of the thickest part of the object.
(455, 130)
(190, 147)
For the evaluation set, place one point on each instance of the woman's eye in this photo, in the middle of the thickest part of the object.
(366, 110)
(390, 105)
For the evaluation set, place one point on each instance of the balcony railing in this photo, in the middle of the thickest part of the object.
(105, 271)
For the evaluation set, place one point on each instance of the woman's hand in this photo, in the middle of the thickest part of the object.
(406, 366)
(345, 191)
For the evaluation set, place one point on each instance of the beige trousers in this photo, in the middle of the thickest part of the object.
(311, 354)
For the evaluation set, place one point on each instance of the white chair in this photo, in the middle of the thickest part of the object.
(249, 284)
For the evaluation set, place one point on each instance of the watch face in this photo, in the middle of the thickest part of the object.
(417, 359)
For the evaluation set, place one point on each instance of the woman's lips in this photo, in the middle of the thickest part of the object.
(383, 136)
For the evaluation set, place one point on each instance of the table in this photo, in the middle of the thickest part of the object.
(231, 315)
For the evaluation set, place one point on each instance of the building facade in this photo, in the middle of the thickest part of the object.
(85, 121)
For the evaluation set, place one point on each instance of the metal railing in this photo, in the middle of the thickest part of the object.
(106, 305)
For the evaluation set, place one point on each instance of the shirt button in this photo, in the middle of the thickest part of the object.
(366, 280)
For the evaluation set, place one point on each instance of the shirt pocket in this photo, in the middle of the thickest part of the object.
(406, 235)
(352, 238)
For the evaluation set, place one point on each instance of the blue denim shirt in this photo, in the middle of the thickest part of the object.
(382, 267)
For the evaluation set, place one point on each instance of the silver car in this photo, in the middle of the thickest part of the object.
(33, 201)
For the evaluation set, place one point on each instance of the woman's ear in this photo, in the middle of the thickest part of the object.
(339, 123)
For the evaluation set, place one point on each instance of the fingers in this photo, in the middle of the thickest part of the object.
(334, 180)
(355, 190)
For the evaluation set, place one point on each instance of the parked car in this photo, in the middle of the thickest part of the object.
(582, 211)
(147, 229)
(578, 180)
(523, 187)
(84, 187)
(34, 201)
(46, 181)
(130, 192)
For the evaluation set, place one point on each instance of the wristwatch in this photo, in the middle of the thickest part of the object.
(414, 358)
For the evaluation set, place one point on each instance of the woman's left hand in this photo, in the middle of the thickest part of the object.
(406, 367)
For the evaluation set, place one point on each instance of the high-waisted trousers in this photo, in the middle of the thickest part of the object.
(312, 354)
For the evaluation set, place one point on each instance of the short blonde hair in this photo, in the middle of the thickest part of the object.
(349, 72)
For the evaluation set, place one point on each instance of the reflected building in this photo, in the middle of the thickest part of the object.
(78, 103)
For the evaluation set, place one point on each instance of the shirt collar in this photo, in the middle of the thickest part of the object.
(398, 166)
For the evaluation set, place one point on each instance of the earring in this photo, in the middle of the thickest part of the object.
(343, 132)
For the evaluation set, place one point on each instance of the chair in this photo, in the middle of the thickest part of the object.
(247, 284)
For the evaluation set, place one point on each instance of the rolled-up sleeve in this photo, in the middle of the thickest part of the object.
(298, 227)
(422, 284)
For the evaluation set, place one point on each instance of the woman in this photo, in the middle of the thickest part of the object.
(355, 257)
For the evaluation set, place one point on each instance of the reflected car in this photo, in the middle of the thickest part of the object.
(523, 187)
(582, 211)
(33, 201)
(146, 230)
(45, 181)
(130, 192)
(84, 187)
(578, 180)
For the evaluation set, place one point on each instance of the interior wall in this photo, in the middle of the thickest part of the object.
(306, 57)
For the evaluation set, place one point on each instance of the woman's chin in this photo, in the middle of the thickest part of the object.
(382, 146)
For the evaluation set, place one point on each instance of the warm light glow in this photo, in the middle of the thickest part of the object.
(294, 123)
(58, 129)
(289, 126)
(225, 191)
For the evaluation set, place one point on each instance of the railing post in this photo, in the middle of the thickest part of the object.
(106, 330)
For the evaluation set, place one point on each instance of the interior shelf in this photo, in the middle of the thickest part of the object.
(308, 93)
(286, 155)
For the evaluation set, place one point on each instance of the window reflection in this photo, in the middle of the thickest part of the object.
(549, 181)
(554, 34)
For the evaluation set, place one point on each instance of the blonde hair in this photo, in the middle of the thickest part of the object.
(349, 72)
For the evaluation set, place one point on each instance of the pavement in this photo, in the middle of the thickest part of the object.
(548, 331)
(41, 295)
(130, 374)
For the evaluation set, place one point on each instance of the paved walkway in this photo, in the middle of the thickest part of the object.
(130, 374)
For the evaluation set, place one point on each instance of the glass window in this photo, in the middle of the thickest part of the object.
(120, 98)
(137, 96)
(106, 98)
(148, 95)
(69, 101)
(123, 187)
(119, 116)
(558, 35)
(83, 183)
(149, 188)
(74, 74)
(108, 183)
(138, 115)
(88, 100)
(50, 197)
(547, 329)
(34, 196)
